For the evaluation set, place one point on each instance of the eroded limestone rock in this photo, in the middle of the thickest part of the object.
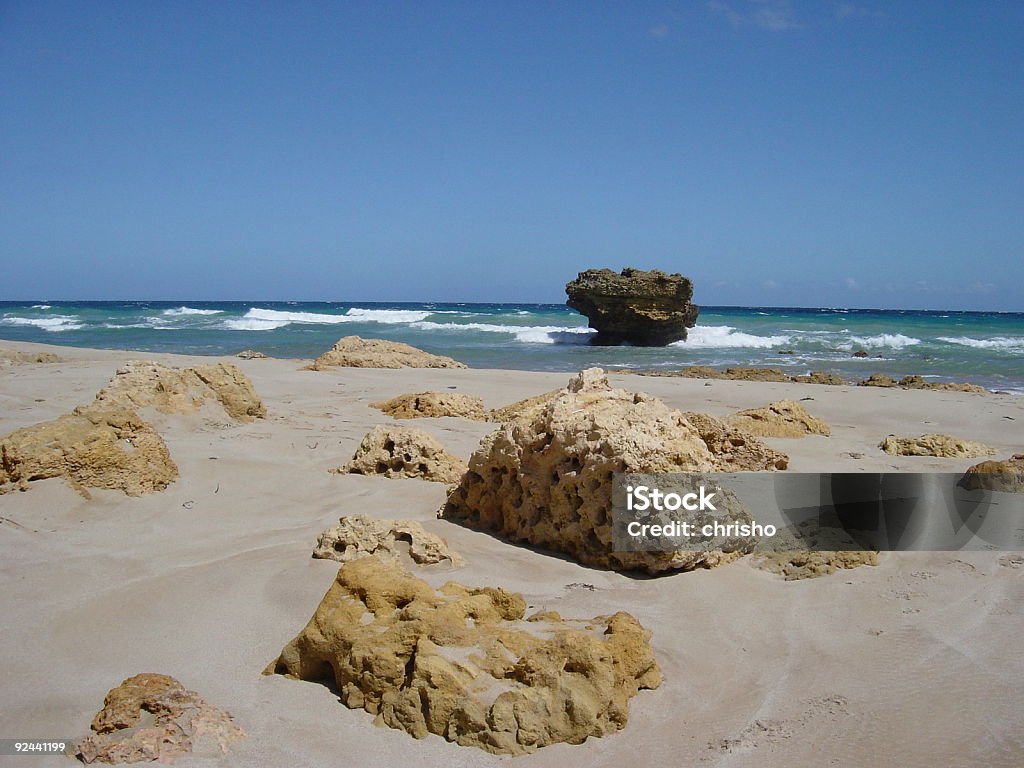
(433, 405)
(523, 409)
(1006, 476)
(17, 356)
(634, 306)
(464, 663)
(358, 536)
(735, 450)
(394, 451)
(547, 480)
(878, 380)
(141, 384)
(820, 377)
(941, 446)
(736, 373)
(919, 382)
(356, 352)
(92, 447)
(810, 565)
(782, 419)
(153, 717)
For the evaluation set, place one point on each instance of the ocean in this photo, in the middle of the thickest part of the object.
(982, 347)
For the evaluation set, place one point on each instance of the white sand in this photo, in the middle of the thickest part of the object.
(915, 662)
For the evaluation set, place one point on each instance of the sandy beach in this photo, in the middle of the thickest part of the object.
(914, 662)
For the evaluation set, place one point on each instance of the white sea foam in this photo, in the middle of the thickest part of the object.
(553, 334)
(529, 334)
(386, 315)
(267, 319)
(699, 337)
(191, 311)
(1011, 343)
(253, 324)
(804, 331)
(40, 306)
(54, 324)
(719, 336)
(891, 340)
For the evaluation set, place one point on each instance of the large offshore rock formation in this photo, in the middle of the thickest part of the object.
(152, 717)
(466, 664)
(94, 446)
(546, 477)
(648, 309)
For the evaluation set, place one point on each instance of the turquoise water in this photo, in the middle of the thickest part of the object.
(987, 348)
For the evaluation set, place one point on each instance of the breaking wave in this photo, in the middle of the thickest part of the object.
(191, 311)
(1011, 343)
(268, 319)
(891, 340)
(719, 336)
(53, 324)
(528, 334)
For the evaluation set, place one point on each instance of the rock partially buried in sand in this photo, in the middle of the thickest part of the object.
(918, 382)
(547, 480)
(523, 409)
(358, 536)
(878, 380)
(941, 446)
(731, 374)
(634, 306)
(92, 447)
(464, 663)
(355, 352)
(1006, 476)
(141, 384)
(394, 451)
(433, 405)
(17, 356)
(737, 450)
(820, 377)
(153, 717)
(251, 354)
(810, 565)
(782, 419)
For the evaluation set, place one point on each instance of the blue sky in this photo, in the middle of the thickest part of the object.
(777, 152)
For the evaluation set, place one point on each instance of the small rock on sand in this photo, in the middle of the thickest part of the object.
(356, 352)
(393, 451)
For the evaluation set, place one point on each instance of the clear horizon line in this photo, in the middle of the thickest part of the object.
(499, 303)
